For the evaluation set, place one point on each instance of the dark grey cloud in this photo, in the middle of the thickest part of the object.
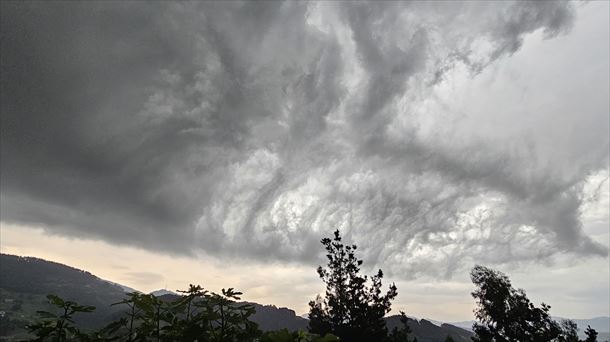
(253, 129)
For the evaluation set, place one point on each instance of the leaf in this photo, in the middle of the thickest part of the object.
(327, 338)
(55, 300)
(46, 314)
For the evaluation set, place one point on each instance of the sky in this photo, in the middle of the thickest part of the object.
(167, 143)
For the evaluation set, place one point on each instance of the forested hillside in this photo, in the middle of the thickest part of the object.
(28, 280)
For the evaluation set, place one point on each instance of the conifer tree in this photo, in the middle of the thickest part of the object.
(350, 309)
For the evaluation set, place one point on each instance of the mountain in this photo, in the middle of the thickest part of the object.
(126, 289)
(426, 331)
(163, 292)
(600, 324)
(270, 317)
(25, 282)
(466, 325)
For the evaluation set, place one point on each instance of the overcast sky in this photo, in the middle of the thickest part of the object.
(226, 139)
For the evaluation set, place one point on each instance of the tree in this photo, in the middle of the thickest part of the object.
(59, 327)
(449, 339)
(506, 314)
(350, 309)
(569, 331)
(296, 336)
(591, 334)
(198, 315)
(229, 321)
(133, 314)
(402, 334)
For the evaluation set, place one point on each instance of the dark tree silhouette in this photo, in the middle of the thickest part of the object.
(591, 334)
(505, 313)
(350, 309)
(59, 326)
(569, 331)
(401, 334)
(197, 315)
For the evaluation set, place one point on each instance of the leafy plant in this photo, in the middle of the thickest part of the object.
(229, 321)
(59, 327)
(197, 315)
(297, 336)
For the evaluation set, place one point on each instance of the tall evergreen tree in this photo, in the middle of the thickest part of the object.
(350, 309)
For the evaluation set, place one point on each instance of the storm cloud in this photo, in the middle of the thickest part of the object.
(251, 130)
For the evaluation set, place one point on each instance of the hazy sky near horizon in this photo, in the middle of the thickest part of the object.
(224, 140)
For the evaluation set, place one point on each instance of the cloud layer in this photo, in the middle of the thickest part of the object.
(254, 129)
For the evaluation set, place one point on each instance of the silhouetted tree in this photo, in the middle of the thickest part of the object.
(196, 316)
(133, 314)
(296, 336)
(569, 331)
(402, 334)
(505, 313)
(449, 339)
(591, 334)
(350, 309)
(59, 327)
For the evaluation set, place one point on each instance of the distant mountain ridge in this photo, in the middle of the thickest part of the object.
(36, 277)
(163, 292)
(28, 280)
(426, 331)
(600, 324)
(125, 288)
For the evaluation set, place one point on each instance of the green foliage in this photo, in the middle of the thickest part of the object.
(350, 309)
(59, 326)
(506, 314)
(449, 339)
(229, 321)
(134, 313)
(198, 315)
(297, 336)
